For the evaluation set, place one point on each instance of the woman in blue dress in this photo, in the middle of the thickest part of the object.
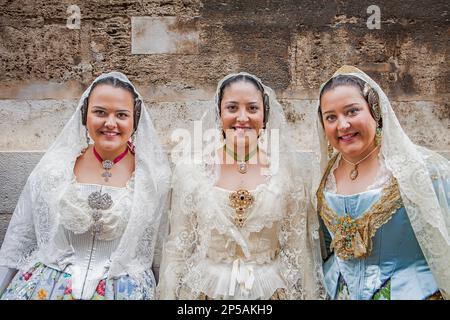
(384, 202)
(87, 221)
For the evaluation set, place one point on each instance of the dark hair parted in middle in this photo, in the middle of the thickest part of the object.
(117, 84)
(369, 94)
(256, 83)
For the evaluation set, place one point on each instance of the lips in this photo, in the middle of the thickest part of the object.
(109, 133)
(348, 137)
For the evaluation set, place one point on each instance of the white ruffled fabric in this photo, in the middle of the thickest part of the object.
(206, 254)
(86, 257)
(77, 216)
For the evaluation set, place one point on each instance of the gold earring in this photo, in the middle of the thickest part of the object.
(378, 135)
(330, 150)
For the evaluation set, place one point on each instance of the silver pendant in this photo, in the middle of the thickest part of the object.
(242, 167)
(107, 164)
(97, 227)
(99, 201)
(106, 175)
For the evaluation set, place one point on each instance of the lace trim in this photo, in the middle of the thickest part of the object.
(353, 238)
(77, 216)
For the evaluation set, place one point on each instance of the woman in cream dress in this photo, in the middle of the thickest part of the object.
(240, 221)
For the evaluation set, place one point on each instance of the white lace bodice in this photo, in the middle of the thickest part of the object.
(207, 254)
(77, 216)
(82, 252)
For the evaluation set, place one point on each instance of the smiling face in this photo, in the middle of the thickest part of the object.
(348, 123)
(242, 114)
(110, 118)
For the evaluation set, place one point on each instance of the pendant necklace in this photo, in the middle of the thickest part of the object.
(108, 164)
(242, 163)
(354, 172)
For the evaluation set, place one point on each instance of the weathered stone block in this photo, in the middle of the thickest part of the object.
(15, 168)
(32, 124)
(4, 221)
(156, 35)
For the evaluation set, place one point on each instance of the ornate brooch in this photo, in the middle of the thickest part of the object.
(99, 201)
(241, 200)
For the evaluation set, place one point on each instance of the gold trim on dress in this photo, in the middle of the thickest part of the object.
(353, 237)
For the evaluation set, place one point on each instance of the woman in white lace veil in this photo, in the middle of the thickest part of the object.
(269, 249)
(71, 240)
(389, 237)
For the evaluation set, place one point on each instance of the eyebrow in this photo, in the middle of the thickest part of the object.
(250, 102)
(345, 107)
(103, 108)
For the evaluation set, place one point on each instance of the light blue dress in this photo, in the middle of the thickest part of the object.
(396, 257)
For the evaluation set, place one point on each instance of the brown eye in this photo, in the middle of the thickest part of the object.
(254, 108)
(330, 118)
(353, 111)
(122, 115)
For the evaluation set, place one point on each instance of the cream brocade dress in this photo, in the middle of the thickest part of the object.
(207, 255)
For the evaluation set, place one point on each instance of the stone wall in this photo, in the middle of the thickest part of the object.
(175, 51)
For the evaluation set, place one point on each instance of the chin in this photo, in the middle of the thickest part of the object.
(109, 146)
(352, 150)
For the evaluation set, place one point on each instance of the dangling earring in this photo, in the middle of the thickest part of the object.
(88, 140)
(330, 150)
(261, 137)
(378, 135)
(131, 144)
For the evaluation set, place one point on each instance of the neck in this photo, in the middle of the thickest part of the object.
(110, 154)
(236, 153)
(368, 154)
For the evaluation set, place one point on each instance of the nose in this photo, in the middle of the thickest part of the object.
(242, 116)
(110, 122)
(343, 124)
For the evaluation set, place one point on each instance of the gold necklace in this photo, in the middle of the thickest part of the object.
(354, 172)
(353, 237)
(242, 164)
